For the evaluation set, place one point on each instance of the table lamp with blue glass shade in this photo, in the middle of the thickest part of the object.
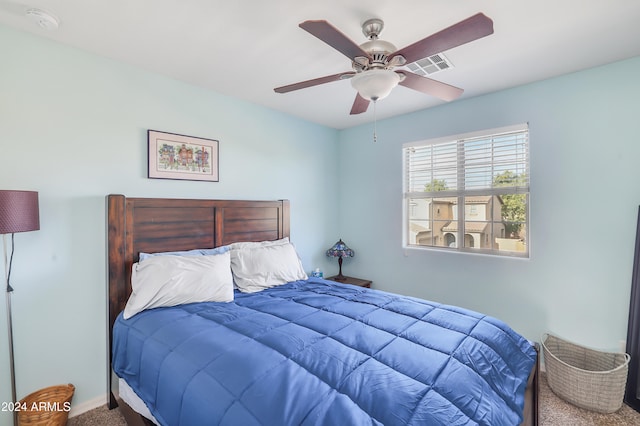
(340, 250)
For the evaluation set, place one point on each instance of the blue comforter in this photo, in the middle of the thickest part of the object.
(320, 353)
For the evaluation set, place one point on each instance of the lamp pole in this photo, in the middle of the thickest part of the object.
(10, 330)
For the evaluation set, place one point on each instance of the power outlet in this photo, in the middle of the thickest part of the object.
(623, 345)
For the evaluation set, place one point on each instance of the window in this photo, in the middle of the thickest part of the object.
(469, 192)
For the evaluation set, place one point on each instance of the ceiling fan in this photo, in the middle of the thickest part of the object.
(373, 62)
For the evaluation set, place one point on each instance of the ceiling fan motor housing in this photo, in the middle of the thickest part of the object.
(379, 50)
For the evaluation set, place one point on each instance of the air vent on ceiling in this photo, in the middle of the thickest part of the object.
(430, 65)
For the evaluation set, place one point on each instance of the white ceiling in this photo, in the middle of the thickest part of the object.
(245, 48)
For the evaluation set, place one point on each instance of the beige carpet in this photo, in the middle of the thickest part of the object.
(553, 412)
(100, 416)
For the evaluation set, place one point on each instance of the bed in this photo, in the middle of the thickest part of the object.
(363, 349)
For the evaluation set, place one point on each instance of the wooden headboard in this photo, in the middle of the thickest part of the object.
(152, 225)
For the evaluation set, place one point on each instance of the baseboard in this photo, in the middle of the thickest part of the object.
(77, 409)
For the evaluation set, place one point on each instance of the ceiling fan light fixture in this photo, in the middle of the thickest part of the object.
(375, 84)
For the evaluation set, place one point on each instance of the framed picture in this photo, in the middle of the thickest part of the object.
(173, 156)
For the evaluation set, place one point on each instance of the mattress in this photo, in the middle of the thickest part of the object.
(319, 352)
(133, 400)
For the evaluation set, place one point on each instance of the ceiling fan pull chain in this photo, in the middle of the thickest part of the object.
(375, 124)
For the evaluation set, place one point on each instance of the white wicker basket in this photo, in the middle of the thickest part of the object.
(587, 378)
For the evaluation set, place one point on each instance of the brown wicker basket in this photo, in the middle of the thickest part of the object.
(49, 406)
(590, 379)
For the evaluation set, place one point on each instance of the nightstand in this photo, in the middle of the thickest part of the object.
(351, 280)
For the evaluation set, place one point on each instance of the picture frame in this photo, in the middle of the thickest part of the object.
(181, 157)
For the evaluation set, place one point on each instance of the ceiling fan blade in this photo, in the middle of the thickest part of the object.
(431, 87)
(334, 38)
(360, 105)
(470, 29)
(314, 82)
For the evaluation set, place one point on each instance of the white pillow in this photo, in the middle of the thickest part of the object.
(194, 252)
(259, 267)
(252, 244)
(175, 280)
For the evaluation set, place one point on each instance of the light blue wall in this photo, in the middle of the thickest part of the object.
(585, 192)
(73, 127)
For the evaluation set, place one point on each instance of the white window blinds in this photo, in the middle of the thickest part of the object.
(481, 178)
(470, 163)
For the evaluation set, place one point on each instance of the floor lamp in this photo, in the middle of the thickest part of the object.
(19, 212)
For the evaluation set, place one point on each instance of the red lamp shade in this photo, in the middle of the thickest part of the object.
(19, 211)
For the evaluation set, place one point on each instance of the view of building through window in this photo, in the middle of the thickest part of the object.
(470, 193)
